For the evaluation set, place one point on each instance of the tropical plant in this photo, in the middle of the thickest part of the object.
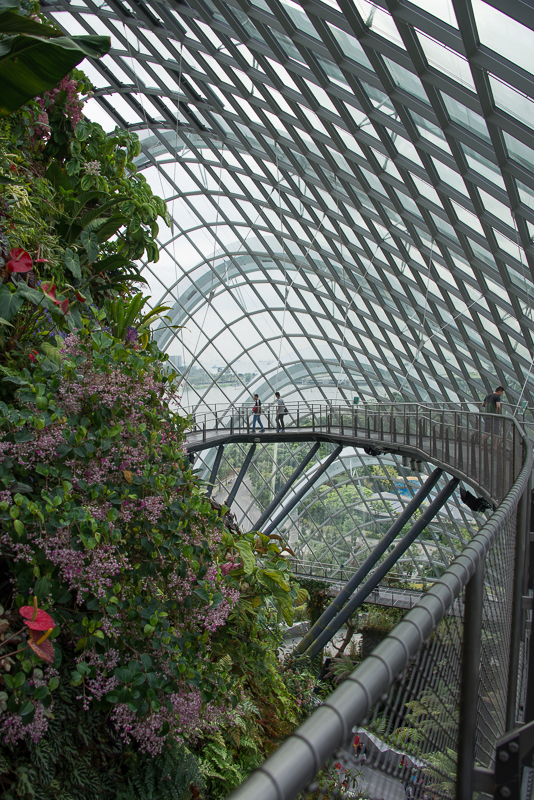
(165, 615)
(74, 217)
(35, 56)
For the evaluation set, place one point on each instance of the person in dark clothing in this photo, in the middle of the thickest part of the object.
(280, 411)
(492, 404)
(256, 414)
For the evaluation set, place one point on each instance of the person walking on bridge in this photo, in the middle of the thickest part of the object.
(492, 404)
(256, 414)
(280, 411)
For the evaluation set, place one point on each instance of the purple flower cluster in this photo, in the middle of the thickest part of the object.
(188, 719)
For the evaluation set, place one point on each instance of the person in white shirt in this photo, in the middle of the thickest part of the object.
(280, 411)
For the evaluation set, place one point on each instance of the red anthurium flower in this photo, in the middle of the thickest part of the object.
(50, 291)
(19, 260)
(79, 296)
(41, 645)
(38, 619)
(64, 306)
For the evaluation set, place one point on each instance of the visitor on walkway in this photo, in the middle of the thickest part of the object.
(356, 744)
(256, 412)
(492, 404)
(280, 411)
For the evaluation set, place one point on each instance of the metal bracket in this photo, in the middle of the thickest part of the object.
(510, 751)
(527, 603)
(483, 780)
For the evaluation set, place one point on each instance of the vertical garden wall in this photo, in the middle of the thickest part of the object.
(138, 626)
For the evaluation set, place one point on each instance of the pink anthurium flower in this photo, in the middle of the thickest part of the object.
(39, 260)
(37, 619)
(19, 260)
(64, 306)
(41, 645)
(50, 291)
(79, 296)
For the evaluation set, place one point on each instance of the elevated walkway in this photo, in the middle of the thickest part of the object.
(484, 450)
(464, 645)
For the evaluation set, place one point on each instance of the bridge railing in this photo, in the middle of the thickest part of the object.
(486, 448)
(450, 680)
(343, 572)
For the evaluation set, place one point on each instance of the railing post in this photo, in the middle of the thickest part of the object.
(313, 419)
(204, 431)
(298, 414)
(469, 683)
(522, 520)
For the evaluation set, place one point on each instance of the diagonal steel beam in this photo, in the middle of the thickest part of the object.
(339, 601)
(242, 472)
(215, 470)
(356, 601)
(302, 491)
(285, 488)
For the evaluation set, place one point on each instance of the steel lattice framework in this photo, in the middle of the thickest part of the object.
(351, 186)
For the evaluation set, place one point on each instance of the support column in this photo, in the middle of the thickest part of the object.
(301, 492)
(522, 525)
(340, 600)
(363, 593)
(469, 683)
(242, 472)
(286, 487)
(215, 469)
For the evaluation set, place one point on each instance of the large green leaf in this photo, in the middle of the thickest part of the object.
(111, 262)
(11, 22)
(90, 242)
(10, 302)
(72, 262)
(29, 65)
(249, 561)
(111, 227)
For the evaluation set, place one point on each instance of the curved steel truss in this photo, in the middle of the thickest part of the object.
(351, 185)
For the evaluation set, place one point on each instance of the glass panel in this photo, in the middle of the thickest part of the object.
(504, 35)
(350, 46)
(446, 60)
(406, 80)
(466, 117)
(515, 103)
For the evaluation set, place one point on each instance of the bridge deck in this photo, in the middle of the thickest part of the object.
(489, 466)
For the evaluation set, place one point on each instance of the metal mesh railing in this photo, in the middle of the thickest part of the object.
(431, 700)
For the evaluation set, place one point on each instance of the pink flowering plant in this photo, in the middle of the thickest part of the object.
(104, 523)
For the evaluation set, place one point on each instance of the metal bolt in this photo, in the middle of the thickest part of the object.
(505, 791)
(503, 755)
(513, 747)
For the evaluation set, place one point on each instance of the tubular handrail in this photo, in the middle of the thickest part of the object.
(294, 764)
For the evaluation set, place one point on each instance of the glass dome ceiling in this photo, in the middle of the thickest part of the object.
(351, 186)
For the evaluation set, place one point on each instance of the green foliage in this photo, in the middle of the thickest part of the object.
(318, 596)
(79, 753)
(71, 200)
(34, 56)
(169, 776)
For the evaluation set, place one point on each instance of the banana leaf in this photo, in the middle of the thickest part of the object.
(30, 65)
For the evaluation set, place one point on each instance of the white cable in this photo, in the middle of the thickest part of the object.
(529, 308)
(422, 342)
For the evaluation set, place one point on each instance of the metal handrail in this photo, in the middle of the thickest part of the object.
(288, 771)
